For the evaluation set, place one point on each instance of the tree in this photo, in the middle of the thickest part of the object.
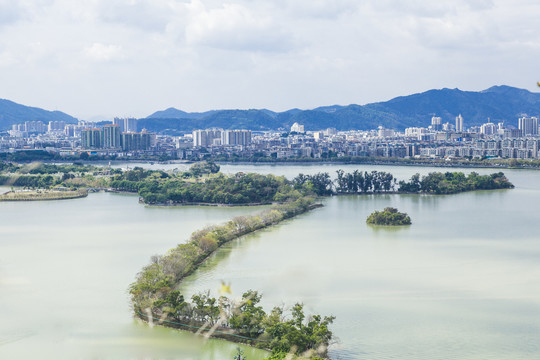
(239, 354)
(389, 216)
(173, 305)
(248, 317)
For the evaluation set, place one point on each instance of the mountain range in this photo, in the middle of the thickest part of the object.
(13, 113)
(498, 103)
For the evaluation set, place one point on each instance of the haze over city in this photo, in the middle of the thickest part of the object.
(131, 58)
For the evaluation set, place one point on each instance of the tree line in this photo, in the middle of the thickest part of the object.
(280, 331)
(454, 182)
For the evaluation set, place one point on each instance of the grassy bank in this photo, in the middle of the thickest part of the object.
(42, 195)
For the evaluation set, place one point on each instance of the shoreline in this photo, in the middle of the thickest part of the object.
(356, 161)
(173, 204)
(383, 163)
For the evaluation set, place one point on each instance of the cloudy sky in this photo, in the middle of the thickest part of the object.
(133, 57)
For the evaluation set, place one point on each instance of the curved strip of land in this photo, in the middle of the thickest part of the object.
(156, 301)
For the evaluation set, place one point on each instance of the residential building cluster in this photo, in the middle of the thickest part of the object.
(437, 141)
(111, 137)
(220, 137)
(119, 137)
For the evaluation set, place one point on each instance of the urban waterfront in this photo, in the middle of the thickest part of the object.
(462, 282)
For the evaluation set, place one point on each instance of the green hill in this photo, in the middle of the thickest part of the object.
(13, 113)
(498, 103)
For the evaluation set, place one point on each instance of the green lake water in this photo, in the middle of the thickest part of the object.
(462, 282)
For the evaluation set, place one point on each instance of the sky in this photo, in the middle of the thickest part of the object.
(110, 58)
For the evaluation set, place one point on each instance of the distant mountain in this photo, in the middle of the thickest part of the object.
(498, 103)
(13, 113)
(227, 119)
(172, 113)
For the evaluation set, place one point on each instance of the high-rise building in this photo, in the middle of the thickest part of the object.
(330, 131)
(91, 138)
(488, 128)
(126, 124)
(459, 123)
(297, 128)
(121, 124)
(447, 127)
(56, 126)
(34, 127)
(131, 124)
(382, 132)
(436, 123)
(111, 137)
(70, 130)
(136, 141)
(528, 126)
(204, 138)
(236, 137)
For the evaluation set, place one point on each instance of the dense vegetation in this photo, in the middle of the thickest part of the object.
(364, 182)
(454, 182)
(158, 187)
(48, 176)
(246, 321)
(389, 216)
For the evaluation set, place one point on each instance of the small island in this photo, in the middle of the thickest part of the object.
(389, 216)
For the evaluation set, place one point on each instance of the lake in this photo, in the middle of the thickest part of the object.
(463, 281)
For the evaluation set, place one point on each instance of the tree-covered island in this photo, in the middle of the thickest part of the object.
(389, 216)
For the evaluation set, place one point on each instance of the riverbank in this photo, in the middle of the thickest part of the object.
(42, 195)
(170, 203)
(532, 164)
(482, 164)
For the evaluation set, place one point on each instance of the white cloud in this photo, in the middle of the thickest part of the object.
(143, 14)
(215, 53)
(234, 27)
(104, 53)
(321, 8)
(10, 12)
(7, 59)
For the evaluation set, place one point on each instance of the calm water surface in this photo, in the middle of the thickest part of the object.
(65, 267)
(463, 282)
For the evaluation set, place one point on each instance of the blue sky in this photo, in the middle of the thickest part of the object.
(134, 57)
